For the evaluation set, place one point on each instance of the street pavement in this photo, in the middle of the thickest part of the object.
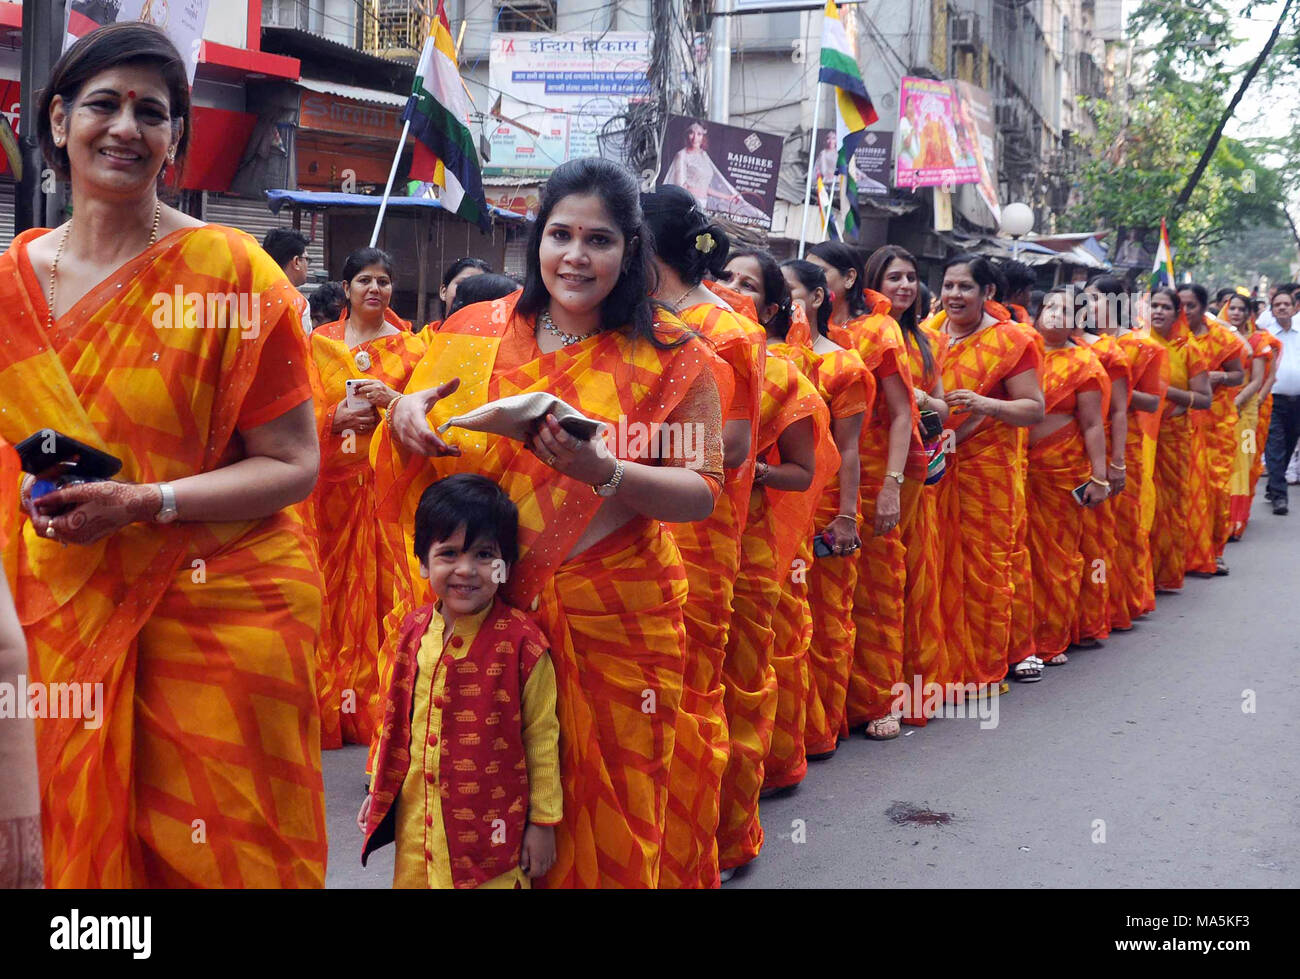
(1134, 765)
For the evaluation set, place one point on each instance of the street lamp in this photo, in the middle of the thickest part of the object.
(1017, 220)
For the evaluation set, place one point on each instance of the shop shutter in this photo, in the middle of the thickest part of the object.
(256, 218)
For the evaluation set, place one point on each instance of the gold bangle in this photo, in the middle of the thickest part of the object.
(1100, 482)
(850, 516)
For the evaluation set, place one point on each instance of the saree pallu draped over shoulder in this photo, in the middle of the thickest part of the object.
(204, 766)
(813, 626)
(1057, 464)
(977, 507)
(1132, 583)
(1097, 542)
(1176, 446)
(710, 551)
(356, 561)
(880, 590)
(613, 612)
(761, 717)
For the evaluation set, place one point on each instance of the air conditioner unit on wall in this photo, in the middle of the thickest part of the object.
(964, 30)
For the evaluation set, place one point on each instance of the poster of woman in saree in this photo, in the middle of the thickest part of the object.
(695, 170)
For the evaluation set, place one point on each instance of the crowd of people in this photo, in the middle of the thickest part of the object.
(815, 502)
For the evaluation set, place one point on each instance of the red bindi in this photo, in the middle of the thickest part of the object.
(130, 94)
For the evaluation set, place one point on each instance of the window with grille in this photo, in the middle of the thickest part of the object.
(393, 27)
(287, 13)
(524, 15)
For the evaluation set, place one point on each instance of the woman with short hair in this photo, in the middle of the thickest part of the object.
(187, 586)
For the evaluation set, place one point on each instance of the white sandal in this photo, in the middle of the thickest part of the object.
(1028, 670)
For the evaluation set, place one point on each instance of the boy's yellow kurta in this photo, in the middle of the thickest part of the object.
(423, 857)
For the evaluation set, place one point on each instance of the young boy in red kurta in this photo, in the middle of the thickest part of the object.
(467, 772)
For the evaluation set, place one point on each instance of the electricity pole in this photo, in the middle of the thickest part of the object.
(720, 65)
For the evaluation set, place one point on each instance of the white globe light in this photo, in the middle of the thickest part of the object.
(1017, 219)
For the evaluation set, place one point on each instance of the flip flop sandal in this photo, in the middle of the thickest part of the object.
(1028, 670)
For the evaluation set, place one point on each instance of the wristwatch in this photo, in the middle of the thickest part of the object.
(610, 488)
(895, 475)
(167, 512)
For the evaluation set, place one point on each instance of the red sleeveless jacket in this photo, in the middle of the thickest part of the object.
(482, 770)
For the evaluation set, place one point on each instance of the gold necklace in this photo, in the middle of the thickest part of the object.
(58, 254)
(567, 339)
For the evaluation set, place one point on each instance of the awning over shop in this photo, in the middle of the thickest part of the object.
(309, 200)
(377, 96)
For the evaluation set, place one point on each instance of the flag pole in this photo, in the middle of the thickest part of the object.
(388, 188)
(812, 158)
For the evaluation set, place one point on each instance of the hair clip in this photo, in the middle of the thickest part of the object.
(705, 243)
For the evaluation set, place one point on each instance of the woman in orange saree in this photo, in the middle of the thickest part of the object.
(601, 572)
(990, 373)
(21, 863)
(1237, 313)
(766, 691)
(1188, 388)
(1098, 544)
(1128, 581)
(1214, 433)
(893, 469)
(892, 272)
(819, 604)
(1274, 345)
(687, 247)
(186, 589)
(1067, 449)
(376, 351)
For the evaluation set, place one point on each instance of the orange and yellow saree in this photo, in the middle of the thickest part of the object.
(879, 595)
(773, 530)
(203, 766)
(1247, 445)
(612, 612)
(1209, 493)
(977, 501)
(812, 619)
(1265, 410)
(1175, 448)
(710, 551)
(1131, 579)
(1057, 464)
(1097, 542)
(355, 559)
(925, 631)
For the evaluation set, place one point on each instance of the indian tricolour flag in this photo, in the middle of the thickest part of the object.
(438, 111)
(1162, 273)
(854, 111)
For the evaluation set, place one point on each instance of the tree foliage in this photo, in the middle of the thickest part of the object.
(1147, 144)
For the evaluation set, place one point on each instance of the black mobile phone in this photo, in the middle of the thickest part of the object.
(822, 547)
(581, 428)
(58, 460)
(1077, 493)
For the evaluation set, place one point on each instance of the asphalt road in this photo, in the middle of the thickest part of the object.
(1134, 765)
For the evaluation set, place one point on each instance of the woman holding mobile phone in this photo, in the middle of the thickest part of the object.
(1067, 457)
(359, 364)
(186, 586)
(826, 594)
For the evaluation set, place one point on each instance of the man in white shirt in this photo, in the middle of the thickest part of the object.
(1284, 429)
(1265, 321)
